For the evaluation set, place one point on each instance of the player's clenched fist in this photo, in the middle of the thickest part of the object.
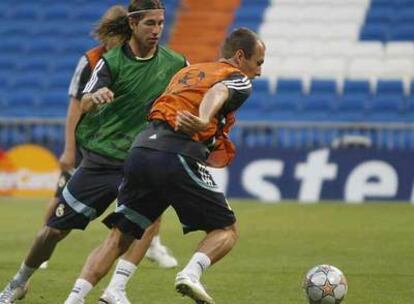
(103, 95)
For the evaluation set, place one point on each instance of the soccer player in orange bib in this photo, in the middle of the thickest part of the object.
(167, 165)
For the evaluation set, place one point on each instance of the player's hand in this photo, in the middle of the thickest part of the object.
(103, 95)
(67, 161)
(189, 123)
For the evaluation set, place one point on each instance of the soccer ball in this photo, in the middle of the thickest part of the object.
(325, 284)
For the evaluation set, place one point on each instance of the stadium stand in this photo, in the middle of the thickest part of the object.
(333, 67)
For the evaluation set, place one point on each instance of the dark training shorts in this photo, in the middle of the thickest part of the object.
(154, 180)
(87, 195)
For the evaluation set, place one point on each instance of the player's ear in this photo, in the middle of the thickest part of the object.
(132, 22)
(239, 56)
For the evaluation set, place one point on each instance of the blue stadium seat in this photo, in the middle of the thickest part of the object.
(375, 31)
(402, 32)
(29, 82)
(42, 46)
(53, 97)
(24, 12)
(357, 87)
(6, 65)
(404, 16)
(56, 12)
(77, 46)
(64, 64)
(386, 108)
(33, 64)
(59, 81)
(351, 107)
(292, 86)
(12, 45)
(390, 88)
(323, 87)
(261, 85)
(317, 107)
(379, 15)
(283, 107)
(92, 12)
(409, 110)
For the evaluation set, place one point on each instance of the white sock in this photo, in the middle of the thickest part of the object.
(123, 272)
(79, 290)
(23, 275)
(197, 265)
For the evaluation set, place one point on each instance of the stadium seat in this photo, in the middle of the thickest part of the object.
(374, 31)
(261, 85)
(33, 64)
(390, 88)
(329, 67)
(351, 108)
(58, 81)
(318, 107)
(323, 87)
(29, 82)
(386, 108)
(365, 68)
(56, 12)
(290, 86)
(357, 87)
(379, 15)
(42, 46)
(294, 66)
(283, 107)
(24, 12)
(399, 50)
(402, 32)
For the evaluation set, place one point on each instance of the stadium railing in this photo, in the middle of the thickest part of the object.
(289, 134)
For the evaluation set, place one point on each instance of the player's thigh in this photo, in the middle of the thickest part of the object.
(195, 196)
(141, 198)
(86, 196)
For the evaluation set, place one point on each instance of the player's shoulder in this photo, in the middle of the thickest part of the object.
(170, 53)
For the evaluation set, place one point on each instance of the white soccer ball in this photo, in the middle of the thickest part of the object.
(325, 284)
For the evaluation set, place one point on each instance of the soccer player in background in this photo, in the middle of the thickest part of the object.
(167, 166)
(137, 73)
(110, 31)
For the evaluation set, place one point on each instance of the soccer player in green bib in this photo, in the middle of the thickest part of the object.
(116, 99)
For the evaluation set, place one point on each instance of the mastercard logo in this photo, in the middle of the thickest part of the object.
(29, 171)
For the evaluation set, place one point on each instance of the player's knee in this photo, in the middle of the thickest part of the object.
(234, 231)
(118, 241)
(232, 234)
(49, 234)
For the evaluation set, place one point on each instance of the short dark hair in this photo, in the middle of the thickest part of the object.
(113, 23)
(240, 39)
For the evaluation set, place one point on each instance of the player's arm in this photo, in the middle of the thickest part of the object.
(226, 96)
(67, 159)
(79, 78)
(212, 102)
(96, 90)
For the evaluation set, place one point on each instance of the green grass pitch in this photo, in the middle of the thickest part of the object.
(373, 244)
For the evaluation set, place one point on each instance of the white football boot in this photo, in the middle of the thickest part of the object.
(12, 293)
(161, 255)
(192, 288)
(114, 296)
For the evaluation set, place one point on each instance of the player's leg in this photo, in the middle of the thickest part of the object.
(87, 195)
(201, 206)
(160, 254)
(41, 250)
(52, 203)
(125, 222)
(126, 266)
